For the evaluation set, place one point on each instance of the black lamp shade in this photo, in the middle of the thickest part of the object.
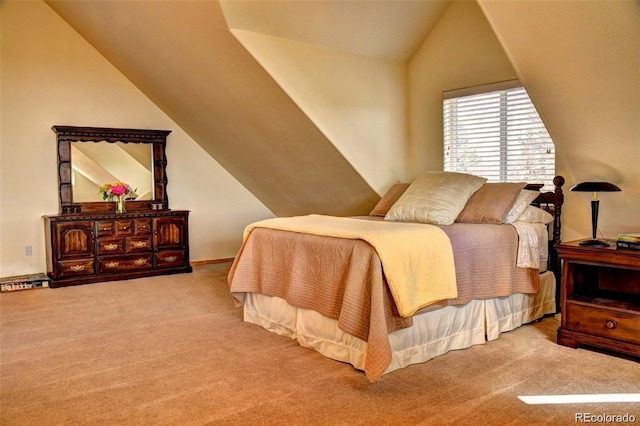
(594, 187)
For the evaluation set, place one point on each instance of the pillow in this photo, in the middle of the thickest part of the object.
(525, 198)
(389, 198)
(533, 214)
(490, 203)
(435, 197)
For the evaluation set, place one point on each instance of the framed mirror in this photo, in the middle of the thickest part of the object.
(89, 157)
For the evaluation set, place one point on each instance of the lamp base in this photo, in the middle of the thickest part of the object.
(594, 242)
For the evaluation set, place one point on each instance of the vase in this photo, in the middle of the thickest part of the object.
(120, 204)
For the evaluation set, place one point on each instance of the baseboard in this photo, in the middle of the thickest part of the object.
(210, 261)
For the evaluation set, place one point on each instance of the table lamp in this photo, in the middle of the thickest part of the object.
(594, 187)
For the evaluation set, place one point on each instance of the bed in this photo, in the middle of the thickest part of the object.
(443, 263)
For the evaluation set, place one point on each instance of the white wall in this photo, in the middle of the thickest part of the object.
(51, 76)
(358, 102)
(461, 51)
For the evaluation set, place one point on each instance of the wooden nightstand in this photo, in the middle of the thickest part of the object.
(600, 300)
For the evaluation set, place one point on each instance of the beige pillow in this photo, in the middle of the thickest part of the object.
(389, 199)
(435, 197)
(490, 203)
(525, 198)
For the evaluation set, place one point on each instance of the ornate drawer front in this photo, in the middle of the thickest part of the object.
(169, 258)
(105, 228)
(124, 263)
(142, 227)
(124, 227)
(74, 268)
(137, 244)
(111, 246)
(603, 322)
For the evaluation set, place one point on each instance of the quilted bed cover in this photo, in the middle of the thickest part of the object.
(343, 278)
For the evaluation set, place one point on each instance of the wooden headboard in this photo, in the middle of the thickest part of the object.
(552, 202)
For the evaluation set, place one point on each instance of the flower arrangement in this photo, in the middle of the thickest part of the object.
(117, 190)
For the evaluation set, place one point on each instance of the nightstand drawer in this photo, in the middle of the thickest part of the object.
(603, 322)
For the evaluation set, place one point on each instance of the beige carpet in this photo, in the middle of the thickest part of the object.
(173, 350)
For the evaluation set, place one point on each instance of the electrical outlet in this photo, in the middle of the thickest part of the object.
(28, 250)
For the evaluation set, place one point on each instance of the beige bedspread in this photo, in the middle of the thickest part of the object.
(417, 258)
(343, 278)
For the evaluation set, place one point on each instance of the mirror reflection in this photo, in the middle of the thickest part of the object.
(94, 164)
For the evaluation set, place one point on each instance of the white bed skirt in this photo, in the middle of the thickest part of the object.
(433, 333)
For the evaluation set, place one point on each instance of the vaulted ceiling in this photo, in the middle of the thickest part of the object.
(580, 62)
(183, 57)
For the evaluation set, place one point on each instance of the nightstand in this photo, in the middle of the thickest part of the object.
(600, 301)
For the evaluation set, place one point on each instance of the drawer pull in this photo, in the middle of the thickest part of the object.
(139, 262)
(76, 268)
(111, 247)
(170, 258)
(611, 324)
(139, 244)
(111, 265)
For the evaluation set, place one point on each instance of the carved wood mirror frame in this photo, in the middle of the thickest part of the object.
(68, 134)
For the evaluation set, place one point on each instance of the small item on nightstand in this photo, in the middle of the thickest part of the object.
(629, 241)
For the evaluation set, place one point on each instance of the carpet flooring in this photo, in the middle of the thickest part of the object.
(173, 350)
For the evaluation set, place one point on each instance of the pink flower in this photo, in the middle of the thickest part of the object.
(118, 189)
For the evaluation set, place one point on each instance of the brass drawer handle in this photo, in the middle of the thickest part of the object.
(140, 244)
(140, 262)
(112, 264)
(170, 258)
(111, 247)
(611, 324)
(76, 268)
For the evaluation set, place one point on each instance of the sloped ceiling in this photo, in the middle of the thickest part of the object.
(183, 57)
(580, 62)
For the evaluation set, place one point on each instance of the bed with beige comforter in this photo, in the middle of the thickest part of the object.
(344, 278)
(440, 264)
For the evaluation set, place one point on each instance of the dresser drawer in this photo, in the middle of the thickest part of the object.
(124, 227)
(603, 322)
(106, 228)
(111, 246)
(74, 268)
(167, 258)
(142, 227)
(124, 263)
(137, 244)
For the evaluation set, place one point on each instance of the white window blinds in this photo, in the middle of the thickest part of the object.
(495, 132)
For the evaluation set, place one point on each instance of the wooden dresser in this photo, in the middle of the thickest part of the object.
(93, 247)
(88, 241)
(600, 298)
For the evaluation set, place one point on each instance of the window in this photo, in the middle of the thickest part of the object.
(494, 131)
